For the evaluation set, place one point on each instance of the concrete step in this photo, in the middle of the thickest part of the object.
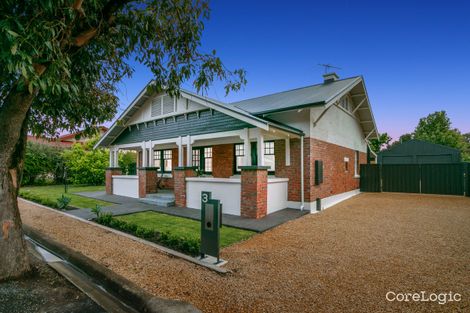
(163, 196)
(158, 201)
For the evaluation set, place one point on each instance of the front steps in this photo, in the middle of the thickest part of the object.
(161, 198)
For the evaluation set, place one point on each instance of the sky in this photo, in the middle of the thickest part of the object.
(413, 55)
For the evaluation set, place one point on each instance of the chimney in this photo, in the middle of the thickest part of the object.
(330, 77)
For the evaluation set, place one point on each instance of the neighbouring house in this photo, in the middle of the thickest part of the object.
(66, 140)
(418, 152)
(258, 156)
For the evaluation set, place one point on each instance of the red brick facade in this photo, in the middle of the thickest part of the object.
(254, 193)
(336, 179)
(109, 178)
(222, 160)
(179, 175)
(147, 181)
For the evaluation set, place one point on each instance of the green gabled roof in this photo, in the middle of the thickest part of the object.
(311, 95)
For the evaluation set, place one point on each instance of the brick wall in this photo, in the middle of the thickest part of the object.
(222, 160)
(179, 175)
(335, 179)
(109, 178)
(254, 193)
(147, 181)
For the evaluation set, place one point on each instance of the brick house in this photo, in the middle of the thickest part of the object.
(294, 149)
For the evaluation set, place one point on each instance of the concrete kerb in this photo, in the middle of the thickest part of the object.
(148, 243)
(125, 290)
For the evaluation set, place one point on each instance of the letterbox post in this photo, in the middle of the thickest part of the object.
(210, 225)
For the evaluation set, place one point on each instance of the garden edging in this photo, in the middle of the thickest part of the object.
(143, 241)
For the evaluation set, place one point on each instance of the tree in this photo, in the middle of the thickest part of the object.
(60, 62)
(377, 144)
(436, 128)
(403, 138)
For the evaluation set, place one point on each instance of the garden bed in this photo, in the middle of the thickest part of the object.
(178, 233)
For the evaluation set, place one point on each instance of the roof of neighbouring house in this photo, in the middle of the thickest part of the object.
(295, 98)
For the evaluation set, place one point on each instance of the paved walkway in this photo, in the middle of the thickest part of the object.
(344, 259)
(126, 205)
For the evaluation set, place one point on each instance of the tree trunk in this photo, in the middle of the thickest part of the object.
(14, 260)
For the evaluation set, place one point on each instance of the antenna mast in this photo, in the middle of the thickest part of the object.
(328, 67)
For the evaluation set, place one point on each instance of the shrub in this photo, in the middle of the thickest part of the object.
(85, 165)
(189, 246)
(105, 219)
(42, 164)
(63, 202)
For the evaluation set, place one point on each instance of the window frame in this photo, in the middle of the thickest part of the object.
(357, 163)
(202, 159)
(162, 159)
(271, 172)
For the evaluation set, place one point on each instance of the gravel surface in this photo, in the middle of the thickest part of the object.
(344, 259)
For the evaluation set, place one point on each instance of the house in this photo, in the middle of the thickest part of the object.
(67, 140)
(258, 156)
(418, 152)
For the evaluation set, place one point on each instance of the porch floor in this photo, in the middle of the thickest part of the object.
(126, 205)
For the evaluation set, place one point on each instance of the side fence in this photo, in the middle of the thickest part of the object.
(447, 179)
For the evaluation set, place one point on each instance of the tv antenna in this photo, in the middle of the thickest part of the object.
(328, 67)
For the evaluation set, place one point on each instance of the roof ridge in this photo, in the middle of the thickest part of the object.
(289, 90)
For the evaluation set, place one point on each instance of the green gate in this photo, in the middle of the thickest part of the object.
(445, 179)
(442, 179)
(370, 178)
(400, 178)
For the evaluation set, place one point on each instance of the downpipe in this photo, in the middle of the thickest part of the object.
(302, 199)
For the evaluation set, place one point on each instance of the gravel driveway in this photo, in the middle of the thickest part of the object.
(344, 259)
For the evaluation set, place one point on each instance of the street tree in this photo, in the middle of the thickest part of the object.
(60, 63)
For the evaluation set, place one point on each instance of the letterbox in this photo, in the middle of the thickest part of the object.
(211, 221)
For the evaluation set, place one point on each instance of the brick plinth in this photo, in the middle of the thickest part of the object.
(254, 191)
(179, 177)
(110, 171)
(147, 180)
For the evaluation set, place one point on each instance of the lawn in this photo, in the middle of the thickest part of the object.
(183, 227)
(48, 195)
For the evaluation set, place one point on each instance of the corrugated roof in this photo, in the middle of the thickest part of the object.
(310, 95)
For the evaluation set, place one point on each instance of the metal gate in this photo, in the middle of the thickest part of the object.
(447, 179)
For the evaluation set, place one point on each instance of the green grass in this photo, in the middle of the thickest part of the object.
(48, 195)
(183, 227)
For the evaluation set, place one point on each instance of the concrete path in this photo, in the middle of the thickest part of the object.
(126, 205)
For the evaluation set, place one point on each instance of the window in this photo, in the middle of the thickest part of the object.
(269, 158)
(345, 103)
(357, 163)
(202, 158)
(346, 164)
(239, 156)
(163, 159)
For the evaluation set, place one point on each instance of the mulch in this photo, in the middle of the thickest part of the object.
(344, 259)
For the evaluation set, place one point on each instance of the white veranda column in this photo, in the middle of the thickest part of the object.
(260, 147)
(180, 152)
(144, 154)
(116, 158)
(189, 152)
(247, 148)
(111, 157)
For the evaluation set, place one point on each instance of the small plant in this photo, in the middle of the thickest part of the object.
(63, 202)
(105, 219)
(97, 210)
